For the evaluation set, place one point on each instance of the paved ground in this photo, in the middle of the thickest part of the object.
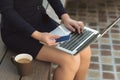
(97, 14)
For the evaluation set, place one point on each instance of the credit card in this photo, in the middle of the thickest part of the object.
(63, 38)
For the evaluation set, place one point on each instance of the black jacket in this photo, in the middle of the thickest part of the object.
(26, 15)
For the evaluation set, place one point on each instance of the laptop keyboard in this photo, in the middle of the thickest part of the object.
(76, 40)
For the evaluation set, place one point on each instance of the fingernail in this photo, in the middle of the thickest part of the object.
(73, 30)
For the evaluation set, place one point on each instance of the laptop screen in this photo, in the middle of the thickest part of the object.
(110, 26)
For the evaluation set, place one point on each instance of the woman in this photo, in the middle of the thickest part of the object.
(25, 23)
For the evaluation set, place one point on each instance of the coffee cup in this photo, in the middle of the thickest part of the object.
(23, 62)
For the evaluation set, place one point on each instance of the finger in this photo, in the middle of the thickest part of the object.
(56, 36)
(81, 24)
(51, 42)
(71, 28)
(78, 28)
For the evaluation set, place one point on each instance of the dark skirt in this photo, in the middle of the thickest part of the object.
(19, 43)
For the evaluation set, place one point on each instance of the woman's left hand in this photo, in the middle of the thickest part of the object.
(73, 25)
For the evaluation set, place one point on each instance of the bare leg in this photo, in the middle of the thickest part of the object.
(85, 56)
(68, 64)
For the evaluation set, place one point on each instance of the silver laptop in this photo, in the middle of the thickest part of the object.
(77, 41)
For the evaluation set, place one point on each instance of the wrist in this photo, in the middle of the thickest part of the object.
(36, 35)
(65, 17)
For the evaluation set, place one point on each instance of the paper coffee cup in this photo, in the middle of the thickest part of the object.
(23, 62)
(23, 58)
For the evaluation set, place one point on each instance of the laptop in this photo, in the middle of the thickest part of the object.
(72, 42)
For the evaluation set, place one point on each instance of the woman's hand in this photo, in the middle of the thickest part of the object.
(71, 24)
(46, 38)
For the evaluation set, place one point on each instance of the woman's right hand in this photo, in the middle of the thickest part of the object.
(47, 38)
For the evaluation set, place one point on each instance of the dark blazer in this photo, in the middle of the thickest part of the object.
(25, 16)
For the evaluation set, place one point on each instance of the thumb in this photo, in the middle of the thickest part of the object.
(55, 36)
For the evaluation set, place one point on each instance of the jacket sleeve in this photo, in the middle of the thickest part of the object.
(9, 13)
(58, 7)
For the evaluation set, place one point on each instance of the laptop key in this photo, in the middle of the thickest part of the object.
(75, 40)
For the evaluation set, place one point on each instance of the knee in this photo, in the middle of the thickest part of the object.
(85, 55)
(72, 64)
